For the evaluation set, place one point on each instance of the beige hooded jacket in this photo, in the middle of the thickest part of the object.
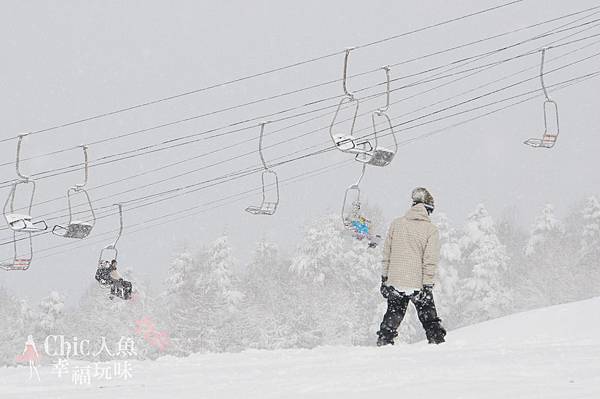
(411, 251)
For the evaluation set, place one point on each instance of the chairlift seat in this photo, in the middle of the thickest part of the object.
(75, 229)
(17, 264)
(547, 141)
(380, 156)
(352, 144)
(24, 223)
(267, 208)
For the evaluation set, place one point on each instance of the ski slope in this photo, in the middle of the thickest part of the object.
(546, 353)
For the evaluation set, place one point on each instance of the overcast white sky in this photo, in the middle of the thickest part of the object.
(66, 60)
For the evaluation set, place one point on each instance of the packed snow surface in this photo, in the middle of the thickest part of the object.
(546, 353)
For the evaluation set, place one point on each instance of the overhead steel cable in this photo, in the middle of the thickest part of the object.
(248, 171)
(239, 156)
(79, 166)
(220, 202)
(147, 185)
(187, 119)
(144, 225)
(267, 72)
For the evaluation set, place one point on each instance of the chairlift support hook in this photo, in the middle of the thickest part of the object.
(380, 111)
(18, 159)
(345, 75)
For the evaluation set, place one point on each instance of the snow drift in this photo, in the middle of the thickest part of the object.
(546, 353)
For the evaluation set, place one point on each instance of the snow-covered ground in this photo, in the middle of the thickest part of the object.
(547, 353)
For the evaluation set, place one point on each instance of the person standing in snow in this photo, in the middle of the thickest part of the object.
(410, 256)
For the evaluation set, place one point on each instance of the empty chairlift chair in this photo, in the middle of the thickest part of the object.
(18, 261)
(78, 228)
(380, 155)
(268, 206)
(346, 142)
(551, 125)
(19, 221)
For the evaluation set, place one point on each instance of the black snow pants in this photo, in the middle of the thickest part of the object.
(121, 288)
(397, 305)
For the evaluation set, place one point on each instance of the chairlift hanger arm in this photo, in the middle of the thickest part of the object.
(348, 94)
(18, 158)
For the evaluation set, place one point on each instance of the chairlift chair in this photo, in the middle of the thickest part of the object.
(18, 262)
(21, 222)
(267, 206)
(379, 155)
(347, 142)
(77, 228)
(550, 135)
(351, 209)
(102, 271)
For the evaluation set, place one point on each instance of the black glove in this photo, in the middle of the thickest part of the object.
(384, 289)
(426, 292)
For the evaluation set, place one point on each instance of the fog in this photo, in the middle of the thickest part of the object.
(63, 61)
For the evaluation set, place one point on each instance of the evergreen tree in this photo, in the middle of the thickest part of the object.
(51, 313)
(549, 273)
(337, 285)
(204, 300)
(448, 283)
(13, 333)
(587, 270)
(484, 293)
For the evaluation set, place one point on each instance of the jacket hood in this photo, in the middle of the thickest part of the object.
(418, 212)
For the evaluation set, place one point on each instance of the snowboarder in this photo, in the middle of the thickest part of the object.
(410, 256)
(119, 286)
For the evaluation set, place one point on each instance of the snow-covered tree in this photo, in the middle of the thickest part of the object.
(337, 281)
(587, 269)
(483, 293)
(550, 266)
(590, 233)
(51, 312)
(13, 333)
(202, 307)
(545, 232)
(448, 283)
(266, 311)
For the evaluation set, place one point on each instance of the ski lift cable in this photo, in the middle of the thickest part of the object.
(66, 169)
(195, 157)
(558, 86)
(329, 148)
(464, 93)
(575, 50)
(219, 203)
(143, 186)
(177, 214)
(555, 87)
(269, 71)
(317, 85)
(500, 79)
(134, 150)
